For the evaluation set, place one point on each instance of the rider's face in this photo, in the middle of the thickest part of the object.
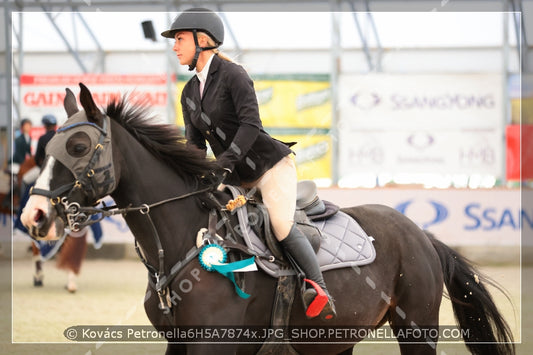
(184, 47)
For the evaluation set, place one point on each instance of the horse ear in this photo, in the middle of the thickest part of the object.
(91, 110)
(69, 103)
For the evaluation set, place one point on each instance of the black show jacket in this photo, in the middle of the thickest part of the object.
(227, 116)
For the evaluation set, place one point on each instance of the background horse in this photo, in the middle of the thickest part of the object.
(72, 250)
(143, 166)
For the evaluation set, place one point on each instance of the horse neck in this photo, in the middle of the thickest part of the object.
(144, 179)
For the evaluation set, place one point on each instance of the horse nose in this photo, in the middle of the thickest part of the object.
(35, 221)
(39, 218)
(35, 216)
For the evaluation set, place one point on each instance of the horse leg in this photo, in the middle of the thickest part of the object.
(71, 282)
(414, 339)
(414, 312)
(71, 257)
(36, 257)
(415, 303)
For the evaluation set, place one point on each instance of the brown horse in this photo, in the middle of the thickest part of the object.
(143, 166)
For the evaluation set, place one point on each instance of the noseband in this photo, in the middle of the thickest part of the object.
(95, 180)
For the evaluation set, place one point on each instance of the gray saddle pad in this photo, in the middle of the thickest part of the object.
(344, 243)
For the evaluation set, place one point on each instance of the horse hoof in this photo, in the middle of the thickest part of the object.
(71, 287)
(71, 282)
(38, 280)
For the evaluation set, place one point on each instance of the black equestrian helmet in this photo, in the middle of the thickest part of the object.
(199, 19)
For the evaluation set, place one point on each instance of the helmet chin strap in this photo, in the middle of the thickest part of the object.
(198, 50)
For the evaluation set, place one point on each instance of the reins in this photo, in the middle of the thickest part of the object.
(108, 211)
(162, 281)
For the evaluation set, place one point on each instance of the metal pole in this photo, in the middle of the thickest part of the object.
(95, 40)
(9, 94)
(379, 48)
(171, 102)
(20, 67)
(505, 93)
(335, 69)
(517, 29)
(524, 47)
(238, 49)
(363, 38)
(73, 52)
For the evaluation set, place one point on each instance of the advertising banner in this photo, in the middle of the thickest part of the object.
(420, 123)
(44, 94)
(291, 103)
(402, 151)
(301, 104)
(457, 216)
(519, 152)
(294, 110)
(520, 91)
(312, 156)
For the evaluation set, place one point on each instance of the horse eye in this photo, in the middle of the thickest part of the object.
(79, 148)
(78, 145)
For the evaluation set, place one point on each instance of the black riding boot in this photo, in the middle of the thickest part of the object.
(317, 300)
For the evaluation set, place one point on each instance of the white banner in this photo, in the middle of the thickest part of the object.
(447, 152)
(44, 94)
(456, 216)
(420, 124)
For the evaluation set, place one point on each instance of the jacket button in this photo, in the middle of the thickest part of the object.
(207, 132)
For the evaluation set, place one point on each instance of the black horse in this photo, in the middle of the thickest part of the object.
(143, 166)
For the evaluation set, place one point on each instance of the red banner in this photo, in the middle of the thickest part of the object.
(44, 94)
(519, 156)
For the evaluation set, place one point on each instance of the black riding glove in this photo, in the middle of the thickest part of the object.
(216, 177)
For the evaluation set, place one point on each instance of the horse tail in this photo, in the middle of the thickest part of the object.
(484, 329)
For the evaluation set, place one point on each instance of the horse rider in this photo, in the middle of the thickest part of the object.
(220, 105)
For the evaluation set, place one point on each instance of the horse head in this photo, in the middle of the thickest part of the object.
(78, 170)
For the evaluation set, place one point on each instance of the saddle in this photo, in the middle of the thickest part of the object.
(308, 207)
(337, 238)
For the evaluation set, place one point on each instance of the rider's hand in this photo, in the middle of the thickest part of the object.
(217, 176)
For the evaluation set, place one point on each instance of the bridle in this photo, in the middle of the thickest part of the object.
(94, 180)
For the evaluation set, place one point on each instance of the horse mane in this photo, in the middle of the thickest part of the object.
(164, 141)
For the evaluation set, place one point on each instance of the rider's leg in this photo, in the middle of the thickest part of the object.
(316, 299)
(278, 188)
